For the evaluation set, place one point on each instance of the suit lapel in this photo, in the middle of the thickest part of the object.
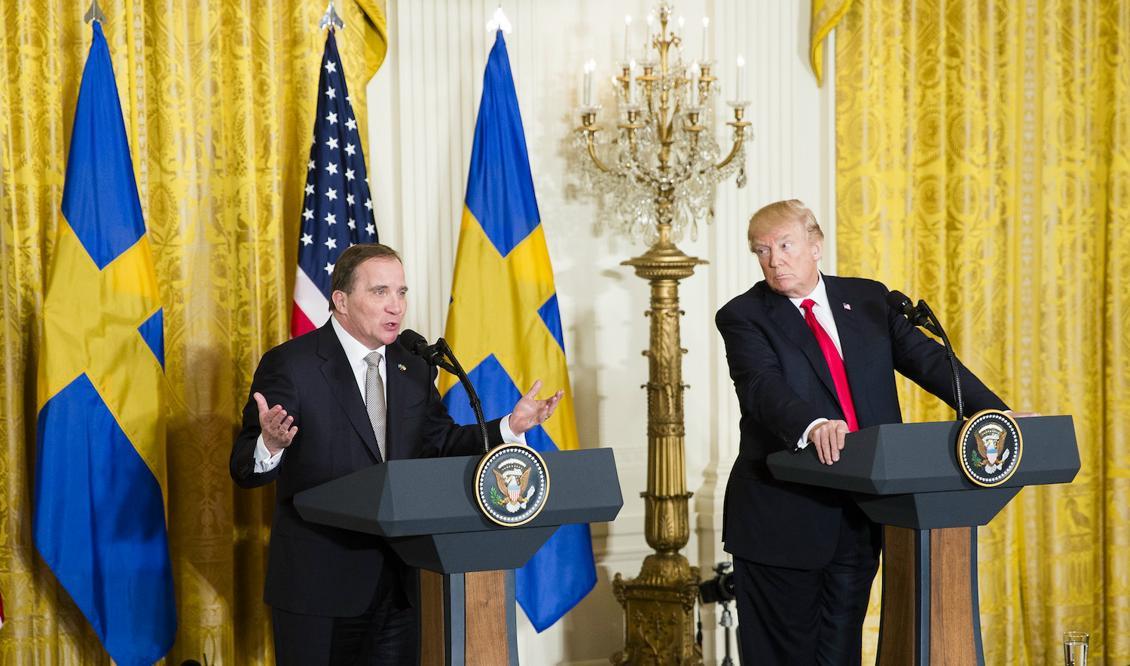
(791, 321)
(853, 341)
(343, 383)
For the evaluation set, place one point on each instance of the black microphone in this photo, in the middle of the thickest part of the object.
(922, 315)
(900, 303)
(433, 354)
(440, 355)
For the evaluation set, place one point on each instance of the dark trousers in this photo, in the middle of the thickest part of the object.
(385, 634)
(797, 617)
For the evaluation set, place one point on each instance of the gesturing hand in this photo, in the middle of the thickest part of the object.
(828, 438)
(530, 411)
(276, 425)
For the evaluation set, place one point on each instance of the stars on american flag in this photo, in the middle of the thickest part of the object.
(337, 187)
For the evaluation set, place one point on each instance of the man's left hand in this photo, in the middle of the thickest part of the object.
(1021, 415)
(530, 411)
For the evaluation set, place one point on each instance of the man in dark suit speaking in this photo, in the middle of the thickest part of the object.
(812, 357)
(341, 398)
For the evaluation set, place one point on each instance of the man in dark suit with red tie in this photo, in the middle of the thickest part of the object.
(812, 358)
(338, 399)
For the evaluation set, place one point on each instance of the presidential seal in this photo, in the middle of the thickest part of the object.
(989, 448)
(511, 485)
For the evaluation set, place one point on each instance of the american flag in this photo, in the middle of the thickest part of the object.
(337, 210)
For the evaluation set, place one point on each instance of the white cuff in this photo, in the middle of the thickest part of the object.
(508, 435)
(264, 461)
(804, 438)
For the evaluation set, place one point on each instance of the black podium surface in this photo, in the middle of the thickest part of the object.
(907, 475)
(425, 508)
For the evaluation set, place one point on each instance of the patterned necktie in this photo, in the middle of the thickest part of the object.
(835, 364)
(375, 400)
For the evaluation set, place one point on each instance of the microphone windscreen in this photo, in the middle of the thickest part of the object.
(900, 302)
(413, 341)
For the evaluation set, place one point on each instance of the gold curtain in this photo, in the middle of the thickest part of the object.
(983, 163)
(218, 99)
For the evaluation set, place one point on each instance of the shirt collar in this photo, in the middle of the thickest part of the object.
(354, 350)
(819, 294)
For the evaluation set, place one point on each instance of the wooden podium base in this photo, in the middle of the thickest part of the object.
(467, 619)
(930, 606)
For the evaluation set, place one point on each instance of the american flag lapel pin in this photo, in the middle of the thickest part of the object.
(401, 367)
(847, 306)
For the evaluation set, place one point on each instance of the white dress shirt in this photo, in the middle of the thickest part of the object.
(356, 352)
(823, 313)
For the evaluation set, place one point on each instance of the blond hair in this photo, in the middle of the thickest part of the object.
(782, 212)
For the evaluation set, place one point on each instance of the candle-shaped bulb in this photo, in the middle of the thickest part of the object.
(741, 79)
(692, 90)
(705, 33)
(590, 67)
(627, 36)
(631, 82)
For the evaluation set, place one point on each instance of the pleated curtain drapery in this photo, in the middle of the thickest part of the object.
(983, 164)
(218, 100)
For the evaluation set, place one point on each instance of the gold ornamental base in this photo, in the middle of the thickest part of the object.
(659, 611)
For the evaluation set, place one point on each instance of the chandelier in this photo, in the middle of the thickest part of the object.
(656, 172)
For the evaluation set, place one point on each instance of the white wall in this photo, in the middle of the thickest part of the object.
(423, 104)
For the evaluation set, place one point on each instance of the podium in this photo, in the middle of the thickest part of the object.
(906, 477)
(426, 511)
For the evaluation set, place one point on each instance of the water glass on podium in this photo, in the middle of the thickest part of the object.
(1075, 648)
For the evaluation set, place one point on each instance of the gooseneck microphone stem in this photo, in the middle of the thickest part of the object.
(935, 326)
(472, 397)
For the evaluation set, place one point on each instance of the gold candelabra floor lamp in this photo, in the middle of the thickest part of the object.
(657, 174)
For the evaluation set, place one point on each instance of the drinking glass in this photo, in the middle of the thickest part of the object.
(1075, 648)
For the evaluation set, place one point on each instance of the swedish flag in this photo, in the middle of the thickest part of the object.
(100, 472)
(504, 323)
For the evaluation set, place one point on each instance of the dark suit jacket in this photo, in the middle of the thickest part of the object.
(317, 570)
(783, 384)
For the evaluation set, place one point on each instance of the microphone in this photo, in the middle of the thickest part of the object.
(433, 354)
(917, 314)
(900, 303)
(440, 355)
(922, 315)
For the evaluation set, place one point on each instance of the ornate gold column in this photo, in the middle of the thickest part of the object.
(659, 602)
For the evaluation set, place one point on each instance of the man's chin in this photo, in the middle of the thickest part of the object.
(782, 285)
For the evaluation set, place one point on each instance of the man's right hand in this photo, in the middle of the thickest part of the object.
(828, 438)
(277, 427)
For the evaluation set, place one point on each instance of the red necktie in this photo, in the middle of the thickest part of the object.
(835, 364)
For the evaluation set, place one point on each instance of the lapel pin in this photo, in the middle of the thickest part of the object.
(401, 367)
(847, 306)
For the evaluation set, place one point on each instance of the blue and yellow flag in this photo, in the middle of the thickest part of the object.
(504, 324)
(100, 472)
